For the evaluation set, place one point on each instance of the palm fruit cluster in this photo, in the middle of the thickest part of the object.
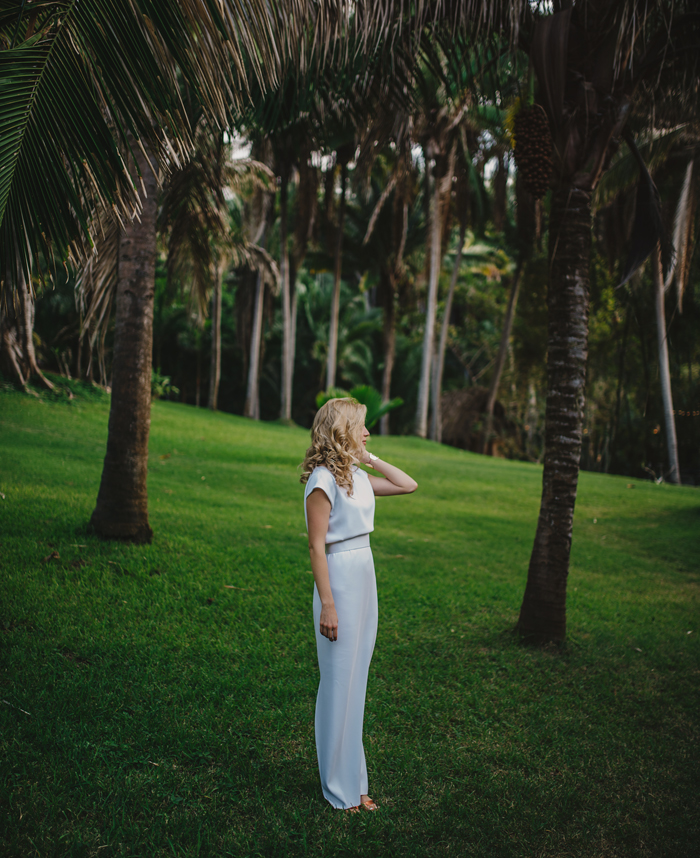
(533, 149)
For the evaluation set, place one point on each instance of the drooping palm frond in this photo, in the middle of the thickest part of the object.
(96, 284)
(243, 254)
(80, 79)
(648, 228)
(654, 146)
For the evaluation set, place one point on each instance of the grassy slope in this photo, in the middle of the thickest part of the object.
(170, 715)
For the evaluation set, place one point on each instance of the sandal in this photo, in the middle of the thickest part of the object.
(370, 804)
(355, 809)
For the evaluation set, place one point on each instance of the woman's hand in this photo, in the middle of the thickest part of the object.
(329, 622)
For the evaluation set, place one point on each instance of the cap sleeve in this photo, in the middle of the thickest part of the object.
(321, 478)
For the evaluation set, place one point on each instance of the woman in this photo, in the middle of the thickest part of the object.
(339, 508)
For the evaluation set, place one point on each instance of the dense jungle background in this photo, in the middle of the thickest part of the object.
(624, 417)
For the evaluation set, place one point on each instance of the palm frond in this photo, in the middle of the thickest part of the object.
(94, 75)
(47, 190)
(654, 148)
(97, 282)
(647, 229)
(245, 254)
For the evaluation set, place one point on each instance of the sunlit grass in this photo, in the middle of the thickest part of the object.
(170, 688)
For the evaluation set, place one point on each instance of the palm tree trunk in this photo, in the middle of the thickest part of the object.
(79, 355)
(198, 380)
(17, 337)
(543, 611)
(293, 337)
(286, 398)
(436, 425)
(389, 337)
(252, 400)
(500, 192)
(501, 359)
(215, 370)
(335, 302)
(27, 305)
(121, 511)
(430, 312)
(664, 373)
(10, 348)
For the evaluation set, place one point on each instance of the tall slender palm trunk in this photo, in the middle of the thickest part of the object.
(389, 338)
(501, 359)
(293, 325)
(664, 372)
(436, 423)
(543, 611)
(215, 365)
(121, 511)
(331, 367)
(287, 348)
(421, 428)
(252, 399)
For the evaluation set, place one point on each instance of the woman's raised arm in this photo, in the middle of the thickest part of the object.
(395, 482)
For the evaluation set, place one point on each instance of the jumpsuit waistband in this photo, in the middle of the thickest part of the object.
(348, 544)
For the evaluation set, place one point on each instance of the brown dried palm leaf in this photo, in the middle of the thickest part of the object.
(97, 282)
(256, 258)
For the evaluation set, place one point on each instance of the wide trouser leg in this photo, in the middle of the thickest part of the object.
(344, 666)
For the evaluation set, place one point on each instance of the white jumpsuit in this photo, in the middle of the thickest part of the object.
(344, 663)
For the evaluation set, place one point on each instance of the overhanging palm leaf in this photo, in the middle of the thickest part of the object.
(46, 190)
(84, 76)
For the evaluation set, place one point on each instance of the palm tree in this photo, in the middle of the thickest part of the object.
(466, 186)
(683, 245)
(204, 235)
(390, 239)
(588, 95)
(95, 159)
(594, 64)
(437, 129)
(258, 222)
(658, 149)
(674, 475)
(387, 228)
(344, 153)
(525, 216)
(281, 118)
(121, 510)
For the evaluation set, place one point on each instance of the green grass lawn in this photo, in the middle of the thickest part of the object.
(159, 700)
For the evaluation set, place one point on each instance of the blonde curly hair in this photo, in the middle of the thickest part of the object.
(336, 440)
